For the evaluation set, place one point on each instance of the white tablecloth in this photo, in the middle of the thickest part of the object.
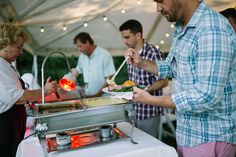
(147, 146)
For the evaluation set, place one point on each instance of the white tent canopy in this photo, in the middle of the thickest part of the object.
(53, 15)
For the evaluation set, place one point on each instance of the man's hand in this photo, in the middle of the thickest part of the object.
(75, 72)
(144, 97)
(133, 57)
(141, 96)
(71, 75)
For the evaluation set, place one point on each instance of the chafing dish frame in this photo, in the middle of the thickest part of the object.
(80, 119)
(86, 117)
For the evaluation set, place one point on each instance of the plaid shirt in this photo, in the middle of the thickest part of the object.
(202, 63)
(141, 77)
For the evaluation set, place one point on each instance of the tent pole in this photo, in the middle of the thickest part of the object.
(35, 67)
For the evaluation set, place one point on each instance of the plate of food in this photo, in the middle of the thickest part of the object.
(114, 92)
(125, 88)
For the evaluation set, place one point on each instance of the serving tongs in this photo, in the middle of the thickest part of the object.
(112, 82)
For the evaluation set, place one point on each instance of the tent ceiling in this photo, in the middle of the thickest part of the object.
(53, 15)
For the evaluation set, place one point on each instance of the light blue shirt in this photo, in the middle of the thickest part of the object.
(95, 69)
(202, 63)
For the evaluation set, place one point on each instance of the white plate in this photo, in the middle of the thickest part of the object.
(105, 90)
(120, 95)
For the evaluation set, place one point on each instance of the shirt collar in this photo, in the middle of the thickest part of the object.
(94, 52)
(197, 14)
(140, 51)
(194, 19)
(144, 46)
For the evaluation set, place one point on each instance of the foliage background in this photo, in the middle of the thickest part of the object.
(56, 67)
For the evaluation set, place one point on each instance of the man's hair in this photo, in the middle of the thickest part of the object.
(83, 37)
(9, 33)
(229, 13)
(133, 25)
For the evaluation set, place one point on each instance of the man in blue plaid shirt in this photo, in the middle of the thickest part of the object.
(148, 116)
(202, 64)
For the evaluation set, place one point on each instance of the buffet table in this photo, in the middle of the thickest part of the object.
(147, 146)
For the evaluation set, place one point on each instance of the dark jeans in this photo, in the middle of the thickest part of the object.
(12, 130)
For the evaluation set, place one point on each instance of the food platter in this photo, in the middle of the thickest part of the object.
(122, 95)
(105, 90)
(122, 89)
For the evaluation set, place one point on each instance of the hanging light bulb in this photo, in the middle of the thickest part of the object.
(122, 11)
(157, 46)
(138, 2)
(85, 24)
(64, 28)
(167, 35)
(41, 29)
(162, 42)
(104, 18)
(172, 25)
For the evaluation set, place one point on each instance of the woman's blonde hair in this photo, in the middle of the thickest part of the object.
(9, 33)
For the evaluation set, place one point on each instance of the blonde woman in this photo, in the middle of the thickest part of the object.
(13, 95)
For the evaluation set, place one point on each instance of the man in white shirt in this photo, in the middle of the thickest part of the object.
(95, 63)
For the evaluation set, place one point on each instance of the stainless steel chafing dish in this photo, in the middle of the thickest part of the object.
(76, 114)
(81, 117)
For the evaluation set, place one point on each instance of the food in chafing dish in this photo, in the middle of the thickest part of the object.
(59, 107)
(102, 101)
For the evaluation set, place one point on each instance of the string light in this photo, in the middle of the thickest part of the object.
(122, 11)
(138, 2)
(162, 42)
(172, 25)
(157, 46)
(167, 35)
(85, 24)
(64, 28)
(41, 29)
(104, 18)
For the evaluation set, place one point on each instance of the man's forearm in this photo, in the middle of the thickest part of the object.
(158, 85)
(162, 101)
(149, 66)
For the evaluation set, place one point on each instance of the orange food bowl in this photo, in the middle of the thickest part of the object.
(67, 84)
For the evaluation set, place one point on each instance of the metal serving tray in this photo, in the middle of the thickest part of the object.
(75, 114)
